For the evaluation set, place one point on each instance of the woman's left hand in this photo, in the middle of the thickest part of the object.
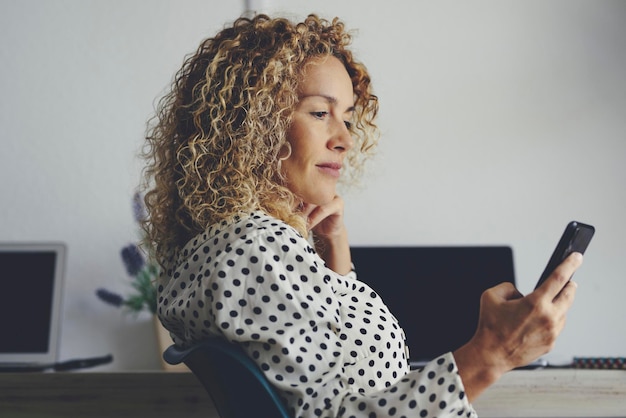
(326, 221)
(330, 233)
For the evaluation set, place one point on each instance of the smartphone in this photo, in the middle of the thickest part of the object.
(575, 239)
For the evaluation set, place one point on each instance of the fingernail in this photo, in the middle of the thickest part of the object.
(578, 256)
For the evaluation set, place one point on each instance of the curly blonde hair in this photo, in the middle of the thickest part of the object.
(213, 146)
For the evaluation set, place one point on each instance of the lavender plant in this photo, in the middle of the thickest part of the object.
(143, 272)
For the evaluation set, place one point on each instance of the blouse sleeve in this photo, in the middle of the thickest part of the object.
(273, 295)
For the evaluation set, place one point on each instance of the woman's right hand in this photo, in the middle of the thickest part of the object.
(514, 330)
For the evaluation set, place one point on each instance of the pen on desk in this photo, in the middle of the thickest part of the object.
(82, 363)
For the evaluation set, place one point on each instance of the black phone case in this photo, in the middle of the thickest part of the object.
(575, 238)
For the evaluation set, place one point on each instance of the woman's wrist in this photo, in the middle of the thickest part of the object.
(335, 251)
(477, 369)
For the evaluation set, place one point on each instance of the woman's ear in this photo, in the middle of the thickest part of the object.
(285, 152)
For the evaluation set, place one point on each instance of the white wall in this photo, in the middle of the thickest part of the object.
(501, 120)
(78, 81)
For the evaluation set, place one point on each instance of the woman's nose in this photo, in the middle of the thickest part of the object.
(342, 137)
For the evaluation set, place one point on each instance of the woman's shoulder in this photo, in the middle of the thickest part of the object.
(242, 230)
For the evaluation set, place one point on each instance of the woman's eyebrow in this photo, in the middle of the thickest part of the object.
(329, 99)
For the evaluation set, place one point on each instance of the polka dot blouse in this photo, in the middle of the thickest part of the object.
(326, 341)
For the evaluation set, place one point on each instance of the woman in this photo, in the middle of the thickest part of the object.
(245, 155)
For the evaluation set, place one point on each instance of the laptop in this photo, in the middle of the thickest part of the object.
(434, 292)
(31, 287)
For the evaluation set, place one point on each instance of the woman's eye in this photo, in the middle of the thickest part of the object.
(319, 115)
(348, 124)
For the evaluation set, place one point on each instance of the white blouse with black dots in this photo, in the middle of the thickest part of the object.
(327, 342)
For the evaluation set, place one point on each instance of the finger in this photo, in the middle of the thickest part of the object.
(314, 218)
(561, 276)
(322, 212)
(506, 291)
(565, 298)
(307, 208)
(318, 215)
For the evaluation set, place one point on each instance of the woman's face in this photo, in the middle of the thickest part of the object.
(319, 134)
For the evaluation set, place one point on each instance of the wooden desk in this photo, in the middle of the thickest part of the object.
(537, 393)
(556, 393)
(103, 395)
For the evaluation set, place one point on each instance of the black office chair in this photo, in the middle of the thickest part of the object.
(235, 383)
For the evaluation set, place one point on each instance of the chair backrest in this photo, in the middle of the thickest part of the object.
(234, 382)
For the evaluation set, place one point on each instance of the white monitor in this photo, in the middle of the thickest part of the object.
(31, 288)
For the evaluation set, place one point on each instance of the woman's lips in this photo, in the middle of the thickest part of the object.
(332, 169)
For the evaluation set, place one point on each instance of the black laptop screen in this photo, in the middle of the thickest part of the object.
(434, 292)
(27, 281)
